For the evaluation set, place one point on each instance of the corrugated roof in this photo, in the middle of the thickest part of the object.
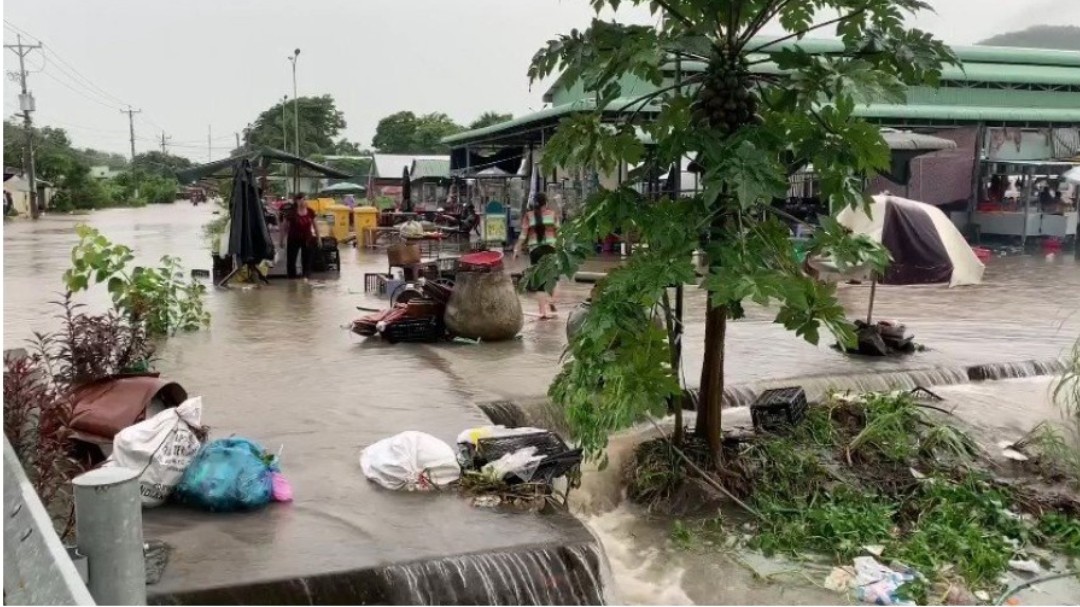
(431, 168)
(521, 122)
(393, 165)
(970, 113)
(1022, 65)
(989, 72)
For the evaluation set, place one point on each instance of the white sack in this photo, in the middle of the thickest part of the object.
(161, 447)
(411, 460)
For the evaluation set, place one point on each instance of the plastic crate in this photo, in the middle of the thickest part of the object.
(777, 409)
(558, 458)
(375, 283)
(414, 330)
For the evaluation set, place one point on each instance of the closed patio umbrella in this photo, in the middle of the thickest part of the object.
(406, 191)
(249, 237)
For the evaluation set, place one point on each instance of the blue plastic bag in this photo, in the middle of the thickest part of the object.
(227, 475)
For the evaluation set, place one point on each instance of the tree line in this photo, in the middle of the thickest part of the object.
(320, 124)
(148, 178)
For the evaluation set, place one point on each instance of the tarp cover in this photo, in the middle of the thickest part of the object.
(249, 238)
(925, 246)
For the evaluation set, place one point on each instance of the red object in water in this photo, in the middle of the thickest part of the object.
(984, 255)
(1051, 245)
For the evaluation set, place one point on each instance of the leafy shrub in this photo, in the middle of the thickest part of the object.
(159, 298)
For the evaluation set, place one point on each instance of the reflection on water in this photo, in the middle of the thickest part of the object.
(277, 365)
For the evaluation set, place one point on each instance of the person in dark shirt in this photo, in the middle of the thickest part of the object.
(301, 234)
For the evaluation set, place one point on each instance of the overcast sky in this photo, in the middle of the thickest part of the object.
(193, 63)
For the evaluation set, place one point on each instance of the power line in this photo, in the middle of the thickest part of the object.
(79, 92)
(74, 73)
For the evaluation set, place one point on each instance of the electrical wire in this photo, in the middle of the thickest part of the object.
(80, 93)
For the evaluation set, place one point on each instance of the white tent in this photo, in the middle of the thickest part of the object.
(966, 267)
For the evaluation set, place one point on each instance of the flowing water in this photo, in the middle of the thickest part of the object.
(277, 365)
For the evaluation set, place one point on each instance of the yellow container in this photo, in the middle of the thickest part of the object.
(341, 221)
(322, 205)
(366, 219)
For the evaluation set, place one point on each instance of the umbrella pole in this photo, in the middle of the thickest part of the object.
(873, 293)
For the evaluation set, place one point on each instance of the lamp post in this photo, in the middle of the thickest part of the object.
(296, 119)
(285, 134)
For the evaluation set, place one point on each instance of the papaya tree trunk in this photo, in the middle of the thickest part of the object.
(711, 395)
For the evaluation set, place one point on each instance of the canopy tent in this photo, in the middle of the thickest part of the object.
(1072, 175)
(924, 244)
(261, 160)
(344, 187)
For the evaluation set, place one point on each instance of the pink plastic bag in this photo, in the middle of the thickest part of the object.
(280, 487)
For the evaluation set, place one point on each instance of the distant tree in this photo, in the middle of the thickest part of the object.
(357, 167)
(320, 124)
(1060, 37)
(488, 119)
(95, 158)
(349, 148)
(407, 133)
(160, 164)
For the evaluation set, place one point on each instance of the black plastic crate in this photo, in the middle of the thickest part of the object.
(491, 449)
(777, 409)
(414, 330)
(558, 460)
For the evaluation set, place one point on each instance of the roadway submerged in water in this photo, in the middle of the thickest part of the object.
(278, 365)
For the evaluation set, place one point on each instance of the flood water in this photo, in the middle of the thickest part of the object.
(279, 366)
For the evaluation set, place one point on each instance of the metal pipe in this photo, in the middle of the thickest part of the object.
(108, 528)
(296, 120)
(873, 294)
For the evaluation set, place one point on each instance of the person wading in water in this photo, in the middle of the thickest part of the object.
(301, 233)
(540, 238)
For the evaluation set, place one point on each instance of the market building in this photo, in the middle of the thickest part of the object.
(1013, 113)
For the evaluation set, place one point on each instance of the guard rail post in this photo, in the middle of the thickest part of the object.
(108, 527)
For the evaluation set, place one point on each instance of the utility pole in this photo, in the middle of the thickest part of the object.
(237, 140)
(164, 138)
(209, 148)
(26, 104)
(131, 126)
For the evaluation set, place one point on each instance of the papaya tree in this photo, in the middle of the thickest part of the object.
(749, 111)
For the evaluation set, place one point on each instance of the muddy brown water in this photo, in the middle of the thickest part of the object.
(278, 365)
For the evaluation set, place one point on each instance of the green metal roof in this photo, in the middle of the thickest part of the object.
(1009, 74)
(544, 115)
(971, 113)
(430, 168)
(966, 54)
(981, 64)
(1050, 75)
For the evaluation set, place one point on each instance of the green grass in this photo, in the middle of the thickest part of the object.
(842, 481)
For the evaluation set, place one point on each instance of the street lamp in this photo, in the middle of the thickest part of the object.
(296, 118)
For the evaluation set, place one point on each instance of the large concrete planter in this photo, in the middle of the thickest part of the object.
(484, 306)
